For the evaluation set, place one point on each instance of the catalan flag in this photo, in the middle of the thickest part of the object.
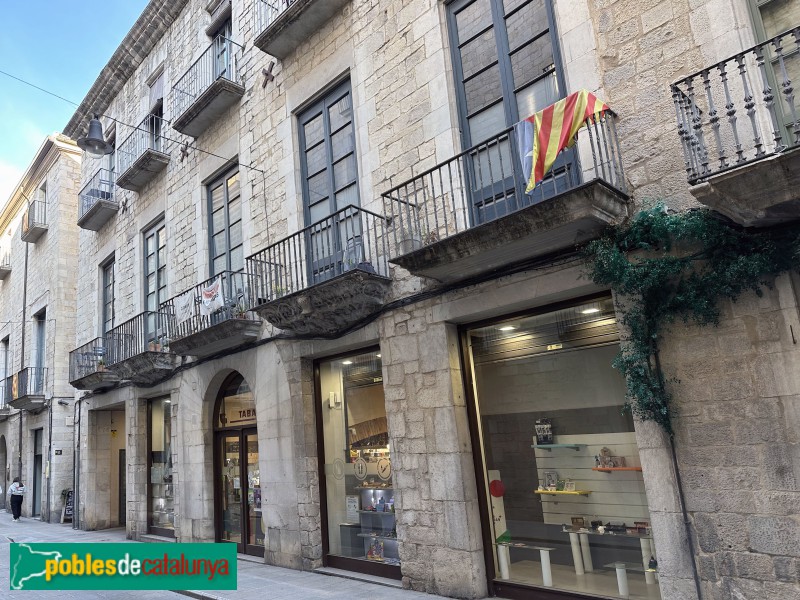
(545, 134)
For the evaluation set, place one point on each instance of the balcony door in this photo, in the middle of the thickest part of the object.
(330, 182)
(222, 52)
(506, 68)
(36, 378)
(155, 280)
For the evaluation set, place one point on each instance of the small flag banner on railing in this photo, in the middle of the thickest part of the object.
(542, 136)
(123, 566)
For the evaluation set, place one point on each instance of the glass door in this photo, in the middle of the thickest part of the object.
(240, 487)
(230, 482)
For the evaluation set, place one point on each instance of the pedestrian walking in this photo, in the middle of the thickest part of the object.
(16, 490)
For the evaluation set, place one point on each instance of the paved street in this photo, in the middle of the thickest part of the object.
(254, 580)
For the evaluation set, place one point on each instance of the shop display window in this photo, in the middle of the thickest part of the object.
(161, 508)
(360, 501)
(563, 490)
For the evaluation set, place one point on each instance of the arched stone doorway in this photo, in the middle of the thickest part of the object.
(4, 474)
(237, 480)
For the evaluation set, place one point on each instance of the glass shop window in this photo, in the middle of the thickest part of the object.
(564, 487)
(161, 509)
(358, 468)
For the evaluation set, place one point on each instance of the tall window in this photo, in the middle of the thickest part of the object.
(330, 179)
(107, 309)
(43, 192)
(40, 354)
(155, 274)
(328, 155)
(773, 17)
(225, 224)
(505, 63)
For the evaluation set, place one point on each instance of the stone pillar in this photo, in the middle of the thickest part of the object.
(438, 522)
(675, 555)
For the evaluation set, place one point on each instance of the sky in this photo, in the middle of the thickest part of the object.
(58, 45)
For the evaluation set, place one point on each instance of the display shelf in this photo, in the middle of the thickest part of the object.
(377, 537)
(376, 512)
(549, 447)
(609, 469)
(562, 493)
(372, 487)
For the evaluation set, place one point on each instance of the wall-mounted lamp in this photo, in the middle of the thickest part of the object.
(94, 143)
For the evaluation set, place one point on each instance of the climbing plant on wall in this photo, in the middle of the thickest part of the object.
(679, 266)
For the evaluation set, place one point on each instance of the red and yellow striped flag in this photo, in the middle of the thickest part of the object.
(555, 129)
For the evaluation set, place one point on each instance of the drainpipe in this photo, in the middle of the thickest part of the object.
(22, 354)
(687, 523)
(49, 455)
(76, 463)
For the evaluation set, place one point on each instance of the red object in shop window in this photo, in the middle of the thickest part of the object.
(497, 488)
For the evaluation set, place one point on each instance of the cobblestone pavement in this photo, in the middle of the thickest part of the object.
(255, 580)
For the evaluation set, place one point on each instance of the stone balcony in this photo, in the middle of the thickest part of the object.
(5, 265)
(96, 202)
(201, 331)
(143, 154)
(87, 367)
(470, 215)
(208, 88)
(739, 125)
(34, 221)
(28, 389)
(284, 24)
(325, 279)
(138, 350)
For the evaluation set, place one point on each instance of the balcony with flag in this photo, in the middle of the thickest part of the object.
(28, 389)
(87, 367)
(214, 315)
(208, 88)
(326, 278)
(282, 25)
(96, 201)
(546, 185)
(143, 154)
(739, 124)
(139, 349)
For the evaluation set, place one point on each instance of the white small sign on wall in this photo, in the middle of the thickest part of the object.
(352, 508)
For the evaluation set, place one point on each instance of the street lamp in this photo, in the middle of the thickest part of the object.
(94, 143)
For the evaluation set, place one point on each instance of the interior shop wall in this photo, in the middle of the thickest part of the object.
(581, 393)
(116, 443)
(333, 428)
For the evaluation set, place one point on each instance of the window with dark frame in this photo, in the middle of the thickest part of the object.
(155, 274)
(506, 64)
(226, 243)
(330, 178)
(107, 309)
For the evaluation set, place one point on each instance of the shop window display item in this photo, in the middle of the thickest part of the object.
(544, 432)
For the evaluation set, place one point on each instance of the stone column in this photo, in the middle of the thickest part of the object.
(438, 522)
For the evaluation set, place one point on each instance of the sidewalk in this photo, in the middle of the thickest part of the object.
(255, 579)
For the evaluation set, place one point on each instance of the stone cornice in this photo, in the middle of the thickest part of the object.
(43, 160)
(149, 28)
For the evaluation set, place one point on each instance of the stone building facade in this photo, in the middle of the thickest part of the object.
(37, 296)
(312, 160)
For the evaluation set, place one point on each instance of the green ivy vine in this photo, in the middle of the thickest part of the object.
(678, 266)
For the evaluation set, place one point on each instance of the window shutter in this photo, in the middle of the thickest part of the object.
(157, 91)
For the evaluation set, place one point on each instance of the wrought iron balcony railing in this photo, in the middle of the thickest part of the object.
(5, 264)
(351, 238)
(99, 187)
(147, 136)
(88, 359)
(31, 381)
(268, 12)
(236, 300)
(5, 391)
(487, 182)
(742, 109)
(146, 332)
(34, 220)
(219, 61)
